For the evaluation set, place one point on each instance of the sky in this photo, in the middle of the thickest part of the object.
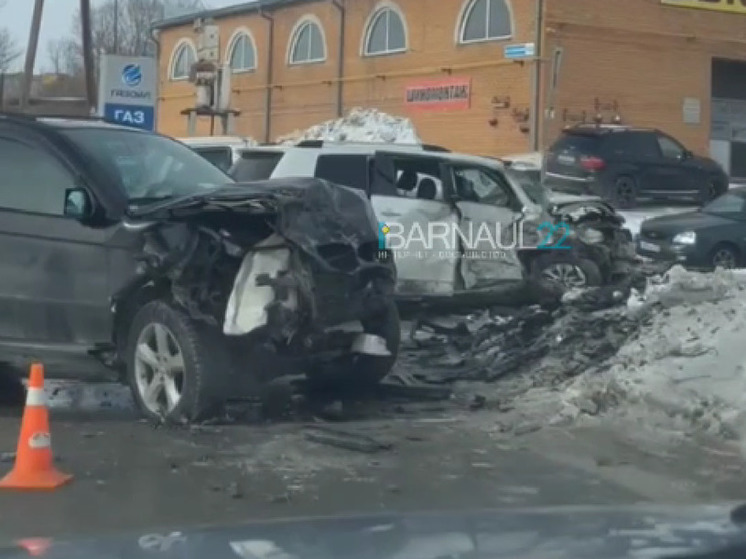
(56, 23)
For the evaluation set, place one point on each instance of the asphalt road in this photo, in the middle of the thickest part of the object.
(135, 478)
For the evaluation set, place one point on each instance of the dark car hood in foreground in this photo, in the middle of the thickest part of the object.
(307, 211)
(678, 223)
(568, 532)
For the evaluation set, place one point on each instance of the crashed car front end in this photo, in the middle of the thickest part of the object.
(292, 263)
(596, 232)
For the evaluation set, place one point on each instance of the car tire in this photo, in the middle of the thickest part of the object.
(711, 190)
(725, 255)
(562, 268)
(624, 192)
(363, 371)
(192, 362)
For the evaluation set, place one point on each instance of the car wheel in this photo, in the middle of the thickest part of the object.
(568, 271)
(724, 256)
(624, 194)
(173, 364)
(363, 371)
(711, 190)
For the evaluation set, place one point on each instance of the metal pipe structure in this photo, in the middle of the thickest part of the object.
(341, 57)
(536, 78)
(33, 42)
(269, 77)
(87, 42)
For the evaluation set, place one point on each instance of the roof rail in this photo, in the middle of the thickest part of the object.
(310, 144)
(433, 147)
(19, 116)
(27, 116)
(320, 143)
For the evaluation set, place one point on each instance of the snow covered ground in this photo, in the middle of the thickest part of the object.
(359, 125)
(684, 372)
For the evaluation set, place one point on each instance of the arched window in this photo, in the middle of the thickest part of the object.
(182, 59)
(307, 43)
(241, 52)
(485, 20)
(386, 33)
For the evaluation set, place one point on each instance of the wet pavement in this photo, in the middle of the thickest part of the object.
(133, 477)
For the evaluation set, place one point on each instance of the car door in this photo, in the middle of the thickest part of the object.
(635, 154)
(417, 230)
(489, 225)
(54, 285)
(673, 173)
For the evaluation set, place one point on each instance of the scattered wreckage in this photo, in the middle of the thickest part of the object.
(288, 271)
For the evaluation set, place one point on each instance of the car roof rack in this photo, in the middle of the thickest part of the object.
(433, 147)
(36, 117)
(322, 143)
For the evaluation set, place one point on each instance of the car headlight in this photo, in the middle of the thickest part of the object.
(590, 235)
(685, 238)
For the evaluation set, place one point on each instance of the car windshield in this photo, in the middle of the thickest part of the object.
(530, 181)
(728, 204)
(147, 166)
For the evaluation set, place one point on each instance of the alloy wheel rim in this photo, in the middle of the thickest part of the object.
(159, 369)
(566, 274)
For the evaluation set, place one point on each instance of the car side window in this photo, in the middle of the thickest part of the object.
(348, 170)
(221, 157)
(670, 148)
(32, 179)
(476, 184)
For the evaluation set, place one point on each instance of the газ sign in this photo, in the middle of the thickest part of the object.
(453, 93)
(127, 90)
(731, 6)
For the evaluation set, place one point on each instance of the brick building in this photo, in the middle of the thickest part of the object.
(444, 64)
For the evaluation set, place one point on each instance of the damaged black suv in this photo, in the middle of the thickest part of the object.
(126, 252)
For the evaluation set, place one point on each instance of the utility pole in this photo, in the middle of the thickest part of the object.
(116, 26)
(33, 42)
(87, 41)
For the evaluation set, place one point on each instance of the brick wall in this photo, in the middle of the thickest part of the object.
(645, 56)
(641, 56)
(305, 95)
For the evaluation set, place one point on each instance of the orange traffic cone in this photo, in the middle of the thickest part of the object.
(34, 468)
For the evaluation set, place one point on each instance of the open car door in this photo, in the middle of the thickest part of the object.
(426, 265)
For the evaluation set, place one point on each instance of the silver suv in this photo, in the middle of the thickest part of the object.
(416, 186)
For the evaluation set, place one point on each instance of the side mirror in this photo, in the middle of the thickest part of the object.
(78, 203)
(686, 154)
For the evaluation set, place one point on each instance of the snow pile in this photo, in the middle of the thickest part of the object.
(360, 125)
(687, 361)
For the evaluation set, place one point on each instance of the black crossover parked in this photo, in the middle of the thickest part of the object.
(126, 252)
(713, 236)
(623, 164)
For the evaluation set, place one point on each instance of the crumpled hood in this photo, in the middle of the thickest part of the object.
(644, 531)
(309, 212)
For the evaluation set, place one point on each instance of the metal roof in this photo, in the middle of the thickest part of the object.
(217, 13)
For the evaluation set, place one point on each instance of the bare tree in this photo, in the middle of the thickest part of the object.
(132, 20)
(9, 50)
(126, 30)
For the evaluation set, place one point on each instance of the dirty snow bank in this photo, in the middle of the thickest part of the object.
(686, 366)
(670, 359)
(359, 125)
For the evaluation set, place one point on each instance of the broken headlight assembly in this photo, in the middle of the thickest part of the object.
(589, 235)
